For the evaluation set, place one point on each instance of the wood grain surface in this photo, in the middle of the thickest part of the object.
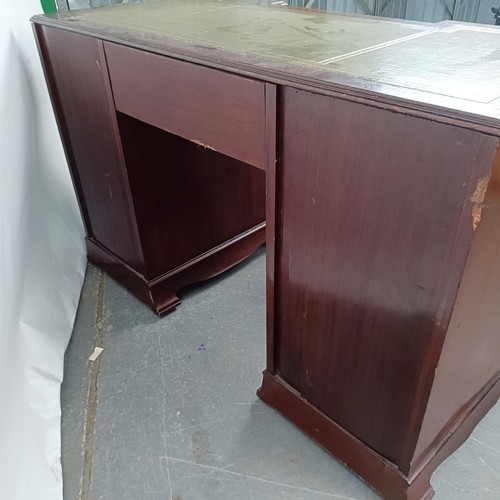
(376, 229)
(219, 111)
(188, 198)
(77, 77)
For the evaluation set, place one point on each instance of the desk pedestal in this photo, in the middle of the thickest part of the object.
(384, 282)
(160, 211)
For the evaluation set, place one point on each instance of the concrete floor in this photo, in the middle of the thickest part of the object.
(169, 411)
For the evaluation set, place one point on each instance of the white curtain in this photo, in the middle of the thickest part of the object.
(42, 264)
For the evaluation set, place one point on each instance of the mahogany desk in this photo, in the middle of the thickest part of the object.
(378, 140)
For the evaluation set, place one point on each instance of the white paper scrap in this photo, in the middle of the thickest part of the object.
(95, 354)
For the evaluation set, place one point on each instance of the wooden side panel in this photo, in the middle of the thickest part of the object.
(470, 359)
(374, 241)
(188, 199)
(218, 110)
(79, 86)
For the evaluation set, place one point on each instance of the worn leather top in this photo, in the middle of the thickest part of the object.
(452, 67)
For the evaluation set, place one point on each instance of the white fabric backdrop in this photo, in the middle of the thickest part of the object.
(42, 264)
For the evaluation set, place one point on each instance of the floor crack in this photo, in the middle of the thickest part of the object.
(92, 399)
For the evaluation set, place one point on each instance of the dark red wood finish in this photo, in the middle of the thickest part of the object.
(471, 352)
(272, 221)
(77, 77)
(160, 294)
(378, 211)
(378, 472)
(188, 199)
(218, 110)
(161, 212)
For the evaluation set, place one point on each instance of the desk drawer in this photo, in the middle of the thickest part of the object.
(218, 110)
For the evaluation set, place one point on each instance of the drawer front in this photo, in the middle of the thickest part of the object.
(217, 110)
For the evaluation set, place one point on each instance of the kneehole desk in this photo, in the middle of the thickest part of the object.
(363, 151)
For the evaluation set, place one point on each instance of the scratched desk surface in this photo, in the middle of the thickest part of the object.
(450, 65)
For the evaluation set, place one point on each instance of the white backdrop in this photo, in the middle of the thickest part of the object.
(42, 264)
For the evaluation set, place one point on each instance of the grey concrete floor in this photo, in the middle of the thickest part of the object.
(169, 411)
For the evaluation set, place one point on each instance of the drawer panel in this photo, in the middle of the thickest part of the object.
(218, 110)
